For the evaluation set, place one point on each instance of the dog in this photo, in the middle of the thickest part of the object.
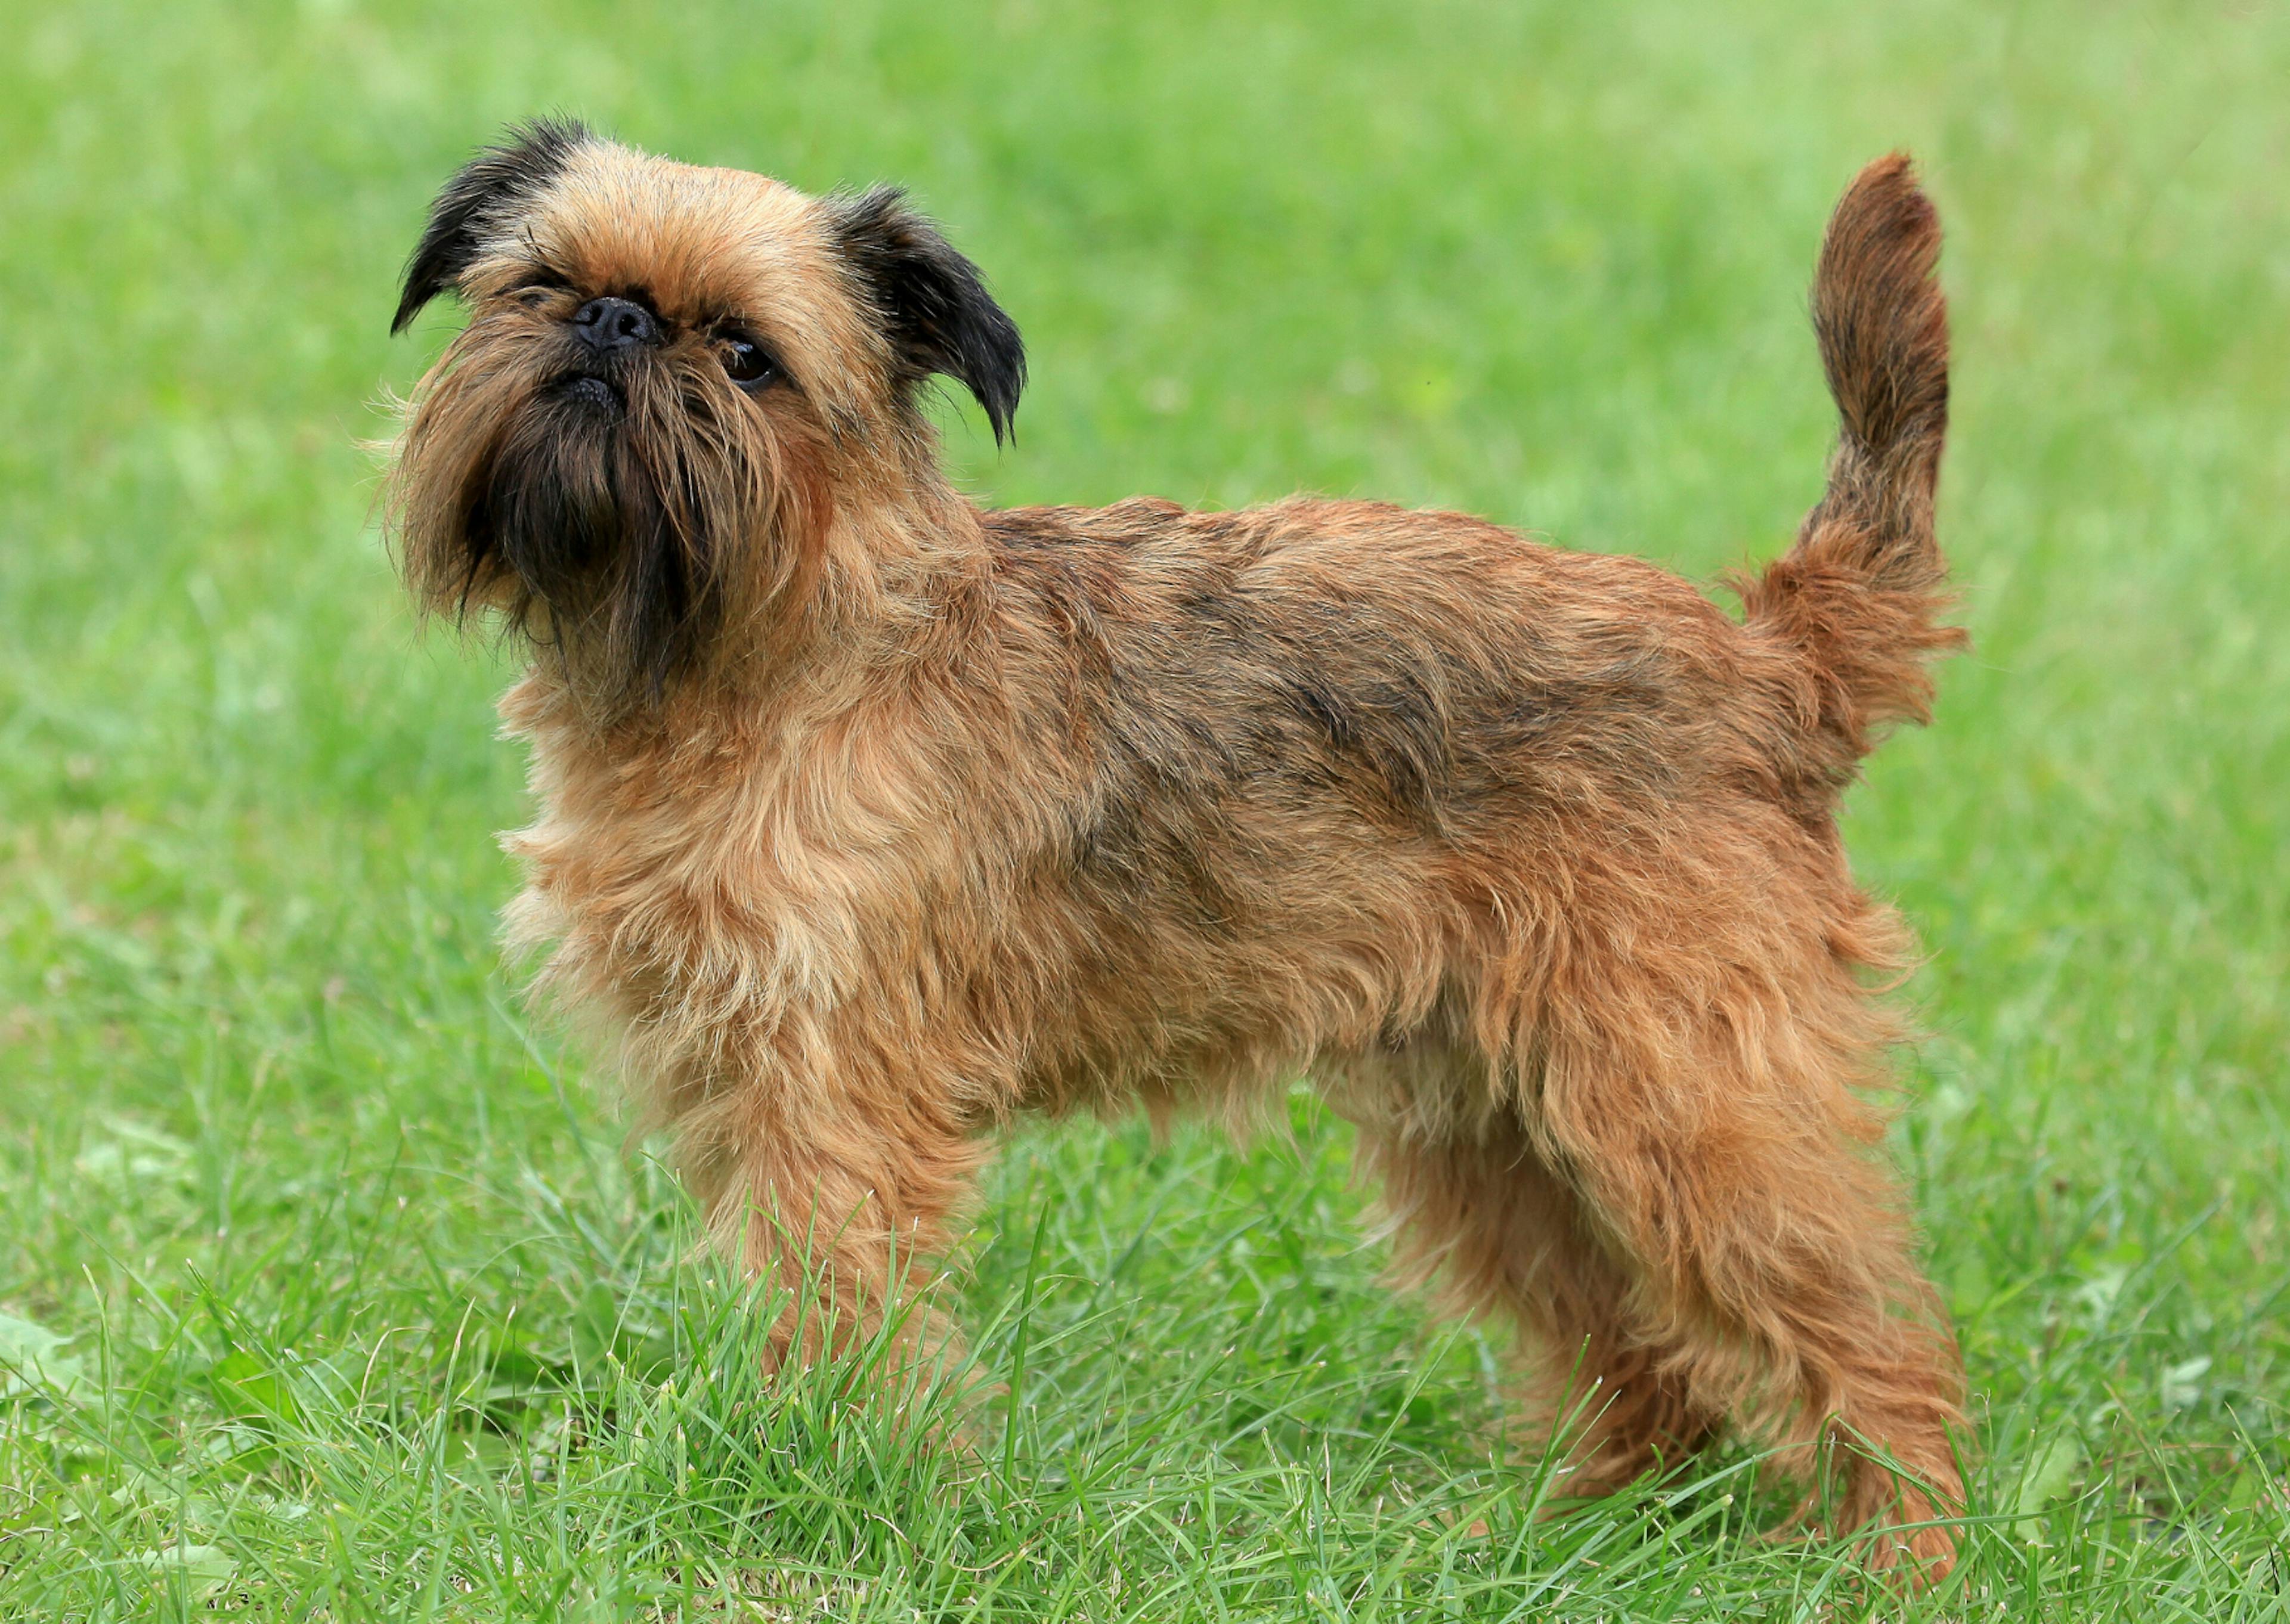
(870, 821)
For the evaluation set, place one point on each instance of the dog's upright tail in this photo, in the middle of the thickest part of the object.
(1859, 596)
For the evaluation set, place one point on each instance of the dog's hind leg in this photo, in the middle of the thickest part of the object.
(1698, 1090)
(1483, 1214)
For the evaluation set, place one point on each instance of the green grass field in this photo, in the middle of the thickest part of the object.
(367, 1312)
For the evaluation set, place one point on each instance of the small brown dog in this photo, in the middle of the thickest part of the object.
(870, 820)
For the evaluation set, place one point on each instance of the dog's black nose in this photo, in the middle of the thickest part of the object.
(611, 324)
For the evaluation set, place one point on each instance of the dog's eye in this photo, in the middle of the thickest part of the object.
(536, 288)
(747, 362)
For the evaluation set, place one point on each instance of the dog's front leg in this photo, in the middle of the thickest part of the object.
(841, 1185)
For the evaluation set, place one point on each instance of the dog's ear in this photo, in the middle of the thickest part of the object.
(528, 157)
(933, 302)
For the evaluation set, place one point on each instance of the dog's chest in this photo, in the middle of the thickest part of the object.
(718, 874)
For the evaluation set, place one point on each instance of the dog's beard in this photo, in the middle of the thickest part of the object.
(603, 508)
(623, 523)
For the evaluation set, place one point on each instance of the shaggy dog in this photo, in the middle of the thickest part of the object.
(870, 820)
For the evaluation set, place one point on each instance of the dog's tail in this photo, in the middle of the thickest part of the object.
(1859, 598)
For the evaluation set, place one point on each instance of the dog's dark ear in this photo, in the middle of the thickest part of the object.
(496, 180)
(933, 302)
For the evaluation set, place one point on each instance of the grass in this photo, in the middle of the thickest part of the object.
(329, 1287)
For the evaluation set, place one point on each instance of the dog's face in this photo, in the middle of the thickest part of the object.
(671, 381)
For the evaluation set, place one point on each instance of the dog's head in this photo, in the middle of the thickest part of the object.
(672, 382)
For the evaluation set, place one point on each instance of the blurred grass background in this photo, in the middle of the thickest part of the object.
(361, 1307)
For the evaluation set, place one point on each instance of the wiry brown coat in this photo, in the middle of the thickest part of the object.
(873, 822)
